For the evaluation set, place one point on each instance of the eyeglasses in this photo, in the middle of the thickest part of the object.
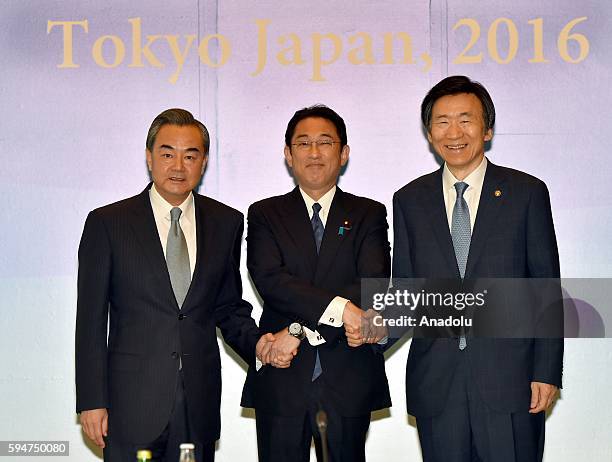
(323, 145)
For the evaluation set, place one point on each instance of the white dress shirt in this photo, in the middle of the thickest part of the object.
(332, 316)
(161, 212)
(471, 195)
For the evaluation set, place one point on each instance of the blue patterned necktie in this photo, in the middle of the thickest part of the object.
(317, 225)
(318, 229)
(461, 233)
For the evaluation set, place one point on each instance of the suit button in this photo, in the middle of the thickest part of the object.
(174, 355)
(181, 317)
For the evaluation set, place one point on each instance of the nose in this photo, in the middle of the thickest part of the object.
(454, 130)
(178, 163)
(315, 150)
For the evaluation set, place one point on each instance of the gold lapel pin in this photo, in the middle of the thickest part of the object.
(497, 193)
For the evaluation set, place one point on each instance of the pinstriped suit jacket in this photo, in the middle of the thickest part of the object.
(123, 282)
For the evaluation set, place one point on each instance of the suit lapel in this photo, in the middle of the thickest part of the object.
(145, 230)
(299, 228)
(339, 213)
(488, 209)
(433, 201)
(205, 238)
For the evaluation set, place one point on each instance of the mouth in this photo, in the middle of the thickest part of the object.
(176, 178)
(455, 147)
(315, 165)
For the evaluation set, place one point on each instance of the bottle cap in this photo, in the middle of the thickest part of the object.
(144, 454)
(187, 446)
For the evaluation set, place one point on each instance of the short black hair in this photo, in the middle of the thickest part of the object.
(321, 111)
(180, 117)
(454, 85)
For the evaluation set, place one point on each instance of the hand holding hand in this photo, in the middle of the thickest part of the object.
(373, 329)
(263, 346)
(282, 350)
(351, 317)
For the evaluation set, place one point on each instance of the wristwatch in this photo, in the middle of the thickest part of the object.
(296, 330)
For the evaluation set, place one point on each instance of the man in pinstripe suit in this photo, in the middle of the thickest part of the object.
(163, 268)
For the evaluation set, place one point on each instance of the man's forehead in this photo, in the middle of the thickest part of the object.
(180, 136)
(318, 125)
(457, 103)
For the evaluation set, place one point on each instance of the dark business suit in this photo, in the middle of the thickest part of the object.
(123, 276)
(513, 237)
(297, 285)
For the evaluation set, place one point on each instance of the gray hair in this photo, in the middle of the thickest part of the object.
(179, 117)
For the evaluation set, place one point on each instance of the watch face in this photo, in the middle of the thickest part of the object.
(295, 328)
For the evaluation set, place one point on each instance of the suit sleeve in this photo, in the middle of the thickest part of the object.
(289, 295)
(543, 262)
(373, 261)
(232, 313)
(95, 265)
(402, 267)
(373, 255)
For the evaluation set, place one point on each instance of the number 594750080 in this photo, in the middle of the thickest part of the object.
(580, 51)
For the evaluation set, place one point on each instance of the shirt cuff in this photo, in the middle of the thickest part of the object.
(258, 364)
(332, 316)
(314, 338)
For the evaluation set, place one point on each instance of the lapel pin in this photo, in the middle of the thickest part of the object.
(497, 193)
(346, 226)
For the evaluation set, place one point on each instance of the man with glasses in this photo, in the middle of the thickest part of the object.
(307, 252)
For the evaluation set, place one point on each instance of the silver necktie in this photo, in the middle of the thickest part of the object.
(461, 233)
(177, 258)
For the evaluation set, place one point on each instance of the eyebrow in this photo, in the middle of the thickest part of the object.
(463, 114)
(306, 136)
(167, 146)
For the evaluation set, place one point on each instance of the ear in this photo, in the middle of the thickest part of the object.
(288, 156)
(488, 135)
(429, 136)
(149, 160)
(204, 163)
(344, 155)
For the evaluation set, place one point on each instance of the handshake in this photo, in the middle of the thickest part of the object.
(360, 327)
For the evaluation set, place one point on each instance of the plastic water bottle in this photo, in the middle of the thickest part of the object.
(187, 452)
(144, 455)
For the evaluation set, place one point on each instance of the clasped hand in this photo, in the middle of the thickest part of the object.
(277, 349)
(362, 326)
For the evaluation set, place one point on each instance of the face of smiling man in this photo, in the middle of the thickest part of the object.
(458, 133)
(177, 161)
(316, 167)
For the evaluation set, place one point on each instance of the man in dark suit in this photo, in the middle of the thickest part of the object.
(162, 268)
(307, 252)
(475, 398)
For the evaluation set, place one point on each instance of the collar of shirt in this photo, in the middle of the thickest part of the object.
(161, 207)
(161, 213)
(471, 195)
(325, 202)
